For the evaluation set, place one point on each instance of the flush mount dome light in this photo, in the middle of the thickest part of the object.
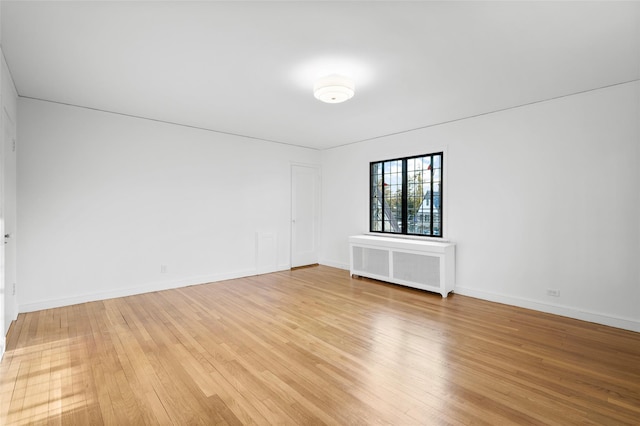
(333, 89)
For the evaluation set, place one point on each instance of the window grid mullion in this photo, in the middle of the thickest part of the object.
(431, 197)
(405, 197)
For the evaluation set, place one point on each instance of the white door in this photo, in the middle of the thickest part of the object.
(2, 280)
(8, 217)
(305, 214)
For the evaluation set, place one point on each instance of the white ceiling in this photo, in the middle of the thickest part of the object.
(248, 68)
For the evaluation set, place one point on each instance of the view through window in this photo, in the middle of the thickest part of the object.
(406, 195)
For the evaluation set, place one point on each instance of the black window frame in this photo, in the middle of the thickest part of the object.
(405, 215)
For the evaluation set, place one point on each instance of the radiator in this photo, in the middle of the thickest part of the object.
(427, 265)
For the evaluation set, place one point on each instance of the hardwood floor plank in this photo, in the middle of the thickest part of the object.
(314, 346)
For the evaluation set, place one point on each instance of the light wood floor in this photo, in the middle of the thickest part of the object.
(314, 346)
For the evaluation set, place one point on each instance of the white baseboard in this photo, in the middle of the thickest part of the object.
(269, 270)
(565, 311)
(131, 291)
(333, 264)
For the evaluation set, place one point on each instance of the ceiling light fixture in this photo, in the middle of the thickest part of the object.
(333, 89)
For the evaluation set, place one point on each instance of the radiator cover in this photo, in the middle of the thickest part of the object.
(427, 265)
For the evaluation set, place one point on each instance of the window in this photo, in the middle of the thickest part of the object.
(406, 196)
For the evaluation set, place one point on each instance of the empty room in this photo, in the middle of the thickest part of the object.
(320, 212)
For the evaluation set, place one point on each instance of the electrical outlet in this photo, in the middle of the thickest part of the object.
(553, 292)
(163, 269)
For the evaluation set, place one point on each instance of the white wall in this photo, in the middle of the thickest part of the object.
(104, 200)
(537, 197)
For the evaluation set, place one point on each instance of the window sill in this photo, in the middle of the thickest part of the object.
(407, 237)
